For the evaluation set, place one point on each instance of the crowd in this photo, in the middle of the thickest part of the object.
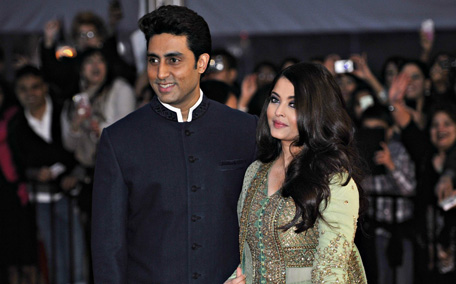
(52, 118)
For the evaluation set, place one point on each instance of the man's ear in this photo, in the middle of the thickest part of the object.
(203, 60)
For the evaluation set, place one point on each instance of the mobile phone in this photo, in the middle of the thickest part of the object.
(343, 66)
(82, 104)
(365, 102)
(427, 27)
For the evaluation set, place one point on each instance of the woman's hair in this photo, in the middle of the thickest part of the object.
(419, 64)
(326, 139)
(448, 108)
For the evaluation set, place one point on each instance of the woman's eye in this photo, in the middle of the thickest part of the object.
(292, 104)
(273, 100)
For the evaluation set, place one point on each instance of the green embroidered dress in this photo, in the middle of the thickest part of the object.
(322, 254)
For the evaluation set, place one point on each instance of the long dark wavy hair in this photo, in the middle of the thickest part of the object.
(326, 139)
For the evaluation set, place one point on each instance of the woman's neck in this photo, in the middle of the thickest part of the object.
(288, 152)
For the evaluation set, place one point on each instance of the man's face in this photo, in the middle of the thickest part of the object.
(88, 37)
(31, 92)
(173, 73)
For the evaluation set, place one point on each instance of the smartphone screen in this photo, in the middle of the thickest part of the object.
(343, 66)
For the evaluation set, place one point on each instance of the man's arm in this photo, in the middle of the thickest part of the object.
(109, 217)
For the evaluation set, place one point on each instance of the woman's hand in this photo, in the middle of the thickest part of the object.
(383, 157)
(444, 188)
(240, 278)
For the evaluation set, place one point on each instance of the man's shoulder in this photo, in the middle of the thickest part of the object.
(226, 112)
(133, 121)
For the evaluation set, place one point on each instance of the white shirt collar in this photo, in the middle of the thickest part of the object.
(42, 127)
(178, 111)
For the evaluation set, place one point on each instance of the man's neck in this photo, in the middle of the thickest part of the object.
(38, 112)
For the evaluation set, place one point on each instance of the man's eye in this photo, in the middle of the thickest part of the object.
(153, 60)
(174, 60)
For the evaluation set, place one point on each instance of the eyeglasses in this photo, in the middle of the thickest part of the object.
(87, 35)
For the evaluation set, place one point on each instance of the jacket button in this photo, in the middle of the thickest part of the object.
(188, 132)
(195, 188)
(196, 275)
(195, 218)
(195, 246)
(192, 159)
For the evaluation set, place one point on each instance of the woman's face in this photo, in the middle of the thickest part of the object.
(437, 73)
(416, 87)
(94, 69)
(390, 72)
(443, 131)
(347, 85)
(281, 112)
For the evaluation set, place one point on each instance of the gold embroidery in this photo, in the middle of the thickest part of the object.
(274, 250)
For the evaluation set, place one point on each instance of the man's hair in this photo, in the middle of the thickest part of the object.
(179, 21)
(28, 70)
(88, 18)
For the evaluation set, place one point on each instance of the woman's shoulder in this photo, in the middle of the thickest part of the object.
(253, 167)
(342, 183)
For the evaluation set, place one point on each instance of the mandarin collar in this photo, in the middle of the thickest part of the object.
(171, 113)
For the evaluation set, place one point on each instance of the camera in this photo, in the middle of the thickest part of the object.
(343, 66)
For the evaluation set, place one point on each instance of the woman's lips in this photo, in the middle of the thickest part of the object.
(278, 124)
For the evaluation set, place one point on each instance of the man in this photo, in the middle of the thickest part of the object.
(168, 176)
(36, 144)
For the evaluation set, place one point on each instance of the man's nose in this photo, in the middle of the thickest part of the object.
(163, 71)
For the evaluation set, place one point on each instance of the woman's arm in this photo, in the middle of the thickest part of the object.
(336, 233)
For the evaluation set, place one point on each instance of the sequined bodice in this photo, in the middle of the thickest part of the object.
(273, 248)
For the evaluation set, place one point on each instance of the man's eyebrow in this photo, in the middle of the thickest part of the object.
(170, 54)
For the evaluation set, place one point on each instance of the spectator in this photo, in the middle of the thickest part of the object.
(87, 31)
(390, 187)
(18, 243)
(36, 145)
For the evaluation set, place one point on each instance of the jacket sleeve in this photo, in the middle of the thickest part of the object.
(336, 234)
(109, 217)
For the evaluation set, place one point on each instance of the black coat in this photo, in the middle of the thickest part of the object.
(165, 195)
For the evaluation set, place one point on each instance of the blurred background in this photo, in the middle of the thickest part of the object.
(254, 30)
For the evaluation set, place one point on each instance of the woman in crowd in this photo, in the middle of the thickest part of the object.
(300, 202)
(103, 99)
(442, 73)
(435, 159)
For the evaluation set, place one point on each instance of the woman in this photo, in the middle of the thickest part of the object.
(299, 206)
(435, 160)
(103, 99)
